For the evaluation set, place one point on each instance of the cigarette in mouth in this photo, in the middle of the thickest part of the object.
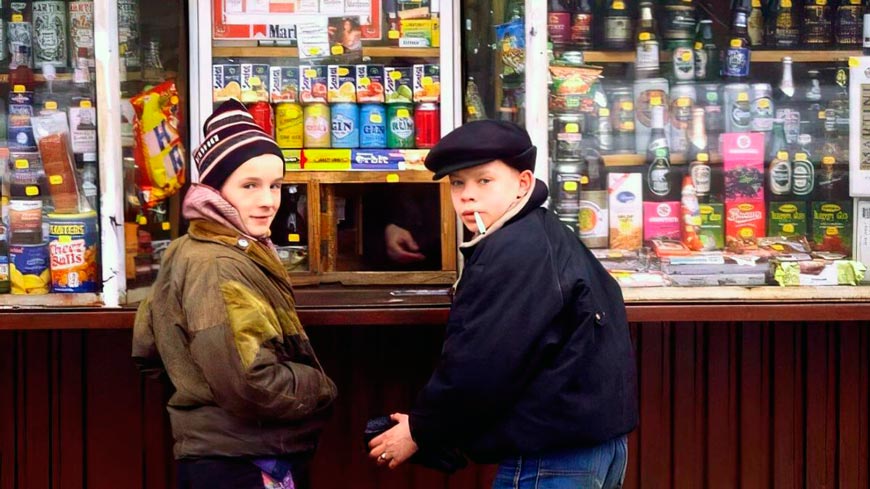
(480, 227)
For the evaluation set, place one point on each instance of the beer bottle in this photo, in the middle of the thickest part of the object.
(581, 25)
(701, 174)
(604, 131)
(474, 109)
(782, 25)
(559, 21)
(848, 20)
(777, 140)
(813, 118)
(817, 27)
(737, 54)
(706, 53)
(658, 159)
(697, 133)
(786, 108)
(647, 63)
(779, 177)
(617, 25)
(756, 24)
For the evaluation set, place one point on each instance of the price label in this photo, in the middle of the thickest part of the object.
(684, 102)
(618, 6)
(403, 113)
(570, 186)
(644, 36)
(293, 238)
(65, 239)
(31, 190)
(764, 103)
(55, 179)
(22, 164)
(743, 97)
(736, 43)
(828, 160)
(337, 50)
(627, 105)
(141, 220)
(698, 45)
(393, 178)
(572, 128)
(165, 226)
(655, 101)
(604, 112)
(393, 34)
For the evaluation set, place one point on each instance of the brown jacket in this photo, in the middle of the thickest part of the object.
(221, 318)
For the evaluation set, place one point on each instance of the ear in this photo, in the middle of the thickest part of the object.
(526, 179)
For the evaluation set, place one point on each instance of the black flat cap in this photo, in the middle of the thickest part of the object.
(479, 142)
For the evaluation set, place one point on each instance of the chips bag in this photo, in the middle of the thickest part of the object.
(512, 46)
(576, 89)
(157, 146)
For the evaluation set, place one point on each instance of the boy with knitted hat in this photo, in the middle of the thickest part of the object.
(537, 372)
(250, 395)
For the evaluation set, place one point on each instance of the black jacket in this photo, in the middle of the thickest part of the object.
(537, 354)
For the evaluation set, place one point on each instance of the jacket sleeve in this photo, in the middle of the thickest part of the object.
(231, 329)
(144, 353)
(498, 334)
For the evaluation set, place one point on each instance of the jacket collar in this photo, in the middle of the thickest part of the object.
(260, 253)
(533, 199)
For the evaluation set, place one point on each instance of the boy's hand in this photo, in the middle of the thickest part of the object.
(401, 247)
(394, 446)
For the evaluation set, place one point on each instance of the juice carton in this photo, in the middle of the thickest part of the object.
(341, 83)
(226, 82)
(661, 220)
(255, 83)
(712, 232)
(312, 84)
(626, 210)
(370, 83)
(427, 83)
(398, 85)
(283, 84)
(743, 156)
(592, 223)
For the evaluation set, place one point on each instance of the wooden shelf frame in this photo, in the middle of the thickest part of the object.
(252, 51)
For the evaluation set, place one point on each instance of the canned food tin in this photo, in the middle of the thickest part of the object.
(316, 126)
(621, 103)
(568, 133)
(567, 180)
(72, 247)
(262, 114)
(679, 23)
(289, 128)
(345, 125)
(25, 221)
(373, 126)
(738, 110)
(400, 126)
(427, 125)
(28, 269)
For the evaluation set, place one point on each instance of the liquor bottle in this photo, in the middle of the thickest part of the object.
(706, 53)
(592, 178)
(786, 107)
(647, 63)
(581, 24)
(697, 134)
(709, 99)
(617, 23)
(848, 23)
(817, 27)
(604, 131)
(782, 25)
(559, 21)
(756, 24)
(474, 110)
(737, 54)
(658, 159)
(832, 181)
(813, 115)
(777, 140)
(701, 174)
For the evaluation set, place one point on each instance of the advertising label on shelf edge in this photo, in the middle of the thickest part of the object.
(231, 22)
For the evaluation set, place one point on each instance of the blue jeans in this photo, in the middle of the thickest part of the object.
(600, 467)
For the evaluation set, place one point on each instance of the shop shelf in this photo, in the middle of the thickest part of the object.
(253, 51)
(368, 176)
(758, 56)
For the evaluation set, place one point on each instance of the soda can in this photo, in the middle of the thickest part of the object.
(316, 123)
(400, 126)
(567, 180)
(345, 125)
(568, 135)
(50, 34)
(373, 126)
(621, 102)
(682, 100)
(262, 114)
(763, 111)
(427, 122)
(708, 97)
(738, 110)
(29, 268)
(289, 129)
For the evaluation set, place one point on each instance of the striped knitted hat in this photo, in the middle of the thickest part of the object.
(232, 137)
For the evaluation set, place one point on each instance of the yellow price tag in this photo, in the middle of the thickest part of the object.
(655, 101)
(736, 43)
(294, 238)
(17, 18)
(786, 3)
(628, 126)
(570, 186)
(64, 239)
(165, 226)
(426, 81)
(828, 160)
(853, 62)
(50, 105)
(822, 114)
(684, 102)
(31, 191)
(86, 104)
(403, 113)
(141, 220)
(782, 155)
(22, 164)
(743, 97)
(618, 6)
(584, 180)
(393, 178)
(393, 34)
(19, 89)
(395, 75)
(604, 112)
(377, 119)
(572, 128)
(471, 111)
(821, 2)
(764, 103)
(699, 45)
(627, 105)
(337, 50)
(800, 156)
(173, 100)
(756, 3)
(686, 56)
(55, 179)
(789, 228)
(644, 36)
(310, 73)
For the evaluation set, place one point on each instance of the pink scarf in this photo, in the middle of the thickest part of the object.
(204, 202)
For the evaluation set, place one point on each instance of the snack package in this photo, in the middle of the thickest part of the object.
(157, 146)
(576, 88)
(52, 137)
(511, 43)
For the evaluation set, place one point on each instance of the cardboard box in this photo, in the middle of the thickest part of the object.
(312, 84)
(255, 83)
(661, 220)
(226, 82)
(712, 230)
(593, 218)
(283, 84)
(370, 84)
(787, 219)
(416, 33)
(743, 157)
(341, 83)
(427, 83)
(398, 85)
(832, 227)
(744, 223)
(625, 210)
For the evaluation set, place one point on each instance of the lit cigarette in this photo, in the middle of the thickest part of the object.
(480, 227)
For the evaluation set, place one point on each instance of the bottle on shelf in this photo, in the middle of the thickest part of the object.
(802, 171)
(781, 30)
(817, 27)
(647, 62)
(779, 177)
(786, 106)
(706, 53)
(604, 131)
(813, 117)
(697, 134)
(582, 22)
(847, 32)
(618, 29)
(474, 110)
(658, 158)
(756, 24)
(559, 21)
(508, 110)
(737, 54)
(701, 175)
(832, 180)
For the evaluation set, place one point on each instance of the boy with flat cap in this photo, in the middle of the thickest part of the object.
(537, 371)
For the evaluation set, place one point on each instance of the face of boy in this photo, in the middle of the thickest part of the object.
(489, 189)
(254, 189)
